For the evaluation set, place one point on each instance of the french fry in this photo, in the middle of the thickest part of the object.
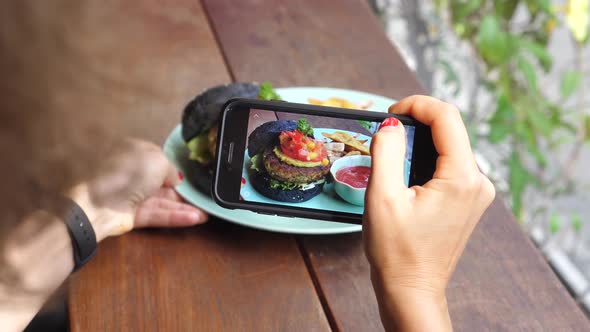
(349, 142)
(332, 101)
(314, 101)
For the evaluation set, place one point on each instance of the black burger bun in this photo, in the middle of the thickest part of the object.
(200, 115)
(203, 112)
(267, 135)
(260, 182)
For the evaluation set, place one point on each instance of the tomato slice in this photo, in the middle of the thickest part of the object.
(300, 147)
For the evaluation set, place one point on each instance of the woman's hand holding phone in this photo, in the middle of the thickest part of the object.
(414, 236)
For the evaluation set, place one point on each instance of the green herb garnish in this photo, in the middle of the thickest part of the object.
(267, 92)
(304, 127)
(366, 124)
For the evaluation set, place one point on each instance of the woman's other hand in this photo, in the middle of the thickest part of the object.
(133, 189)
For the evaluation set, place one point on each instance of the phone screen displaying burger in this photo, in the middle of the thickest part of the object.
(306, 161)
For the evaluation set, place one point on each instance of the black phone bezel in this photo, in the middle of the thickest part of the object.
(228, 171)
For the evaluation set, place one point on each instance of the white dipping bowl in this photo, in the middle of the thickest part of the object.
(352, 195)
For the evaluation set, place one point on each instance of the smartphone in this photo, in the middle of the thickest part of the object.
(299, 160)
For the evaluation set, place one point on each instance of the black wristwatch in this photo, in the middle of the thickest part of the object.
(81, 232)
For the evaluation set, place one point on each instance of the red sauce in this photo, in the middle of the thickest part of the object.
(300, 147)
(356, 176)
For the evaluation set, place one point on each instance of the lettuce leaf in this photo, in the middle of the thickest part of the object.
(267, 92)
(276, 184)
(199, 149)
(256, 161)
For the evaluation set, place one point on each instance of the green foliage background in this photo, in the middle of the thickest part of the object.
(526, 118)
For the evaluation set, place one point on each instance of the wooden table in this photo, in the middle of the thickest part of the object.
(148, 58)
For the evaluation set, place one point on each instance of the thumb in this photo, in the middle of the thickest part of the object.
(388, 150)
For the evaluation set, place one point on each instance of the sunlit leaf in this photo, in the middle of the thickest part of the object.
(440, 4)
(570, 127)
(459, 29)
(554, 223)
(540, 121)
(493, 43)
(505, 81)
(555, 114)
(528, 71)
(518, 179)
(524, 132)
(556, 142)
(462, 9)
(538, 51)
(501, 120)
(569, 83)
(498, 133)
(539, 156)
(576, 222)
(506, 8)
(536, 6)
(544, 5)
(577, 17)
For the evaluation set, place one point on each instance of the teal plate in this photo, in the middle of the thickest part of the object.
(176, 151)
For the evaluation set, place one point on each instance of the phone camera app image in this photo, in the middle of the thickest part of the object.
(309, 161)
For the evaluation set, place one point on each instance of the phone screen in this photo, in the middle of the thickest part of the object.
(310, 161)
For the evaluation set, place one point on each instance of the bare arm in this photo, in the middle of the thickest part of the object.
(38, 253)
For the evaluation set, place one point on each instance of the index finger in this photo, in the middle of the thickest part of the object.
(448, 131)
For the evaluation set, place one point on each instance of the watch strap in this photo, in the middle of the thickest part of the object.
(81, 232)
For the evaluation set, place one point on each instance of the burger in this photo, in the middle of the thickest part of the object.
(287, 163)
(199, 126)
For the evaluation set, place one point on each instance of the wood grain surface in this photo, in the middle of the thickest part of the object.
(501, 284)
(310, 43)
(148, 59)
(219, 277)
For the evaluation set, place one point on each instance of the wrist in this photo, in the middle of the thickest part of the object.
(100, 218)
(409, 305)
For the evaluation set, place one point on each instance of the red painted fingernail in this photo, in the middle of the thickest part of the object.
(180, 176)
(393, 122)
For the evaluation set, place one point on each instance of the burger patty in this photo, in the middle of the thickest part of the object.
(293, 174)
